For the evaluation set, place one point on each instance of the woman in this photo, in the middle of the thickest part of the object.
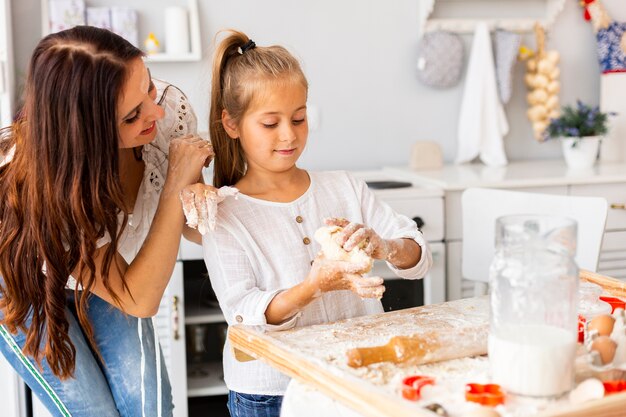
(90, 224)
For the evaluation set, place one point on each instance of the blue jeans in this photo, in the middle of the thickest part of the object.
(252, 405)
(130, 381)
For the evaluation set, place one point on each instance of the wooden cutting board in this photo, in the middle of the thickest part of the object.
(316, 355)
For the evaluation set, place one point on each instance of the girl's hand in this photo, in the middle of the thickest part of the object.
(355, 234)
(187, 156)
(329, 275)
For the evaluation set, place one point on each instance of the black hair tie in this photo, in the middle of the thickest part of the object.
(249, 45)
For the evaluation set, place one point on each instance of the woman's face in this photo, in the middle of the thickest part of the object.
(136, 109)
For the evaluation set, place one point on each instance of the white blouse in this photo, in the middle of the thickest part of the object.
(260, 248)
(179, 120)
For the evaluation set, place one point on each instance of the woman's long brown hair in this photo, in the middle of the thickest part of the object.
(62, 191)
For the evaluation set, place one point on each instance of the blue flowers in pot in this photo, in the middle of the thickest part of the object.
(580, 130)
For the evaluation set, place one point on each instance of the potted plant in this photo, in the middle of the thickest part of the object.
(580, 130)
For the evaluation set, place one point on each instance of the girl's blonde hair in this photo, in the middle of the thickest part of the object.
(240, 74)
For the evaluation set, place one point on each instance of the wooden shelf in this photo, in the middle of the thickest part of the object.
(520, 16)
(194, 34)
(210, 384)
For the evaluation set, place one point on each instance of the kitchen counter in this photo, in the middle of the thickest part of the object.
(316, 356)
(521, 174)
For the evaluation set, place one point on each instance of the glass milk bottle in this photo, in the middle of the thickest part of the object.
(534, 302)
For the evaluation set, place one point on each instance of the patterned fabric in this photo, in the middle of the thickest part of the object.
(440, 59)
(610, 54)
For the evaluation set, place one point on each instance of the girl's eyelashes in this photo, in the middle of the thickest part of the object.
(273, 125)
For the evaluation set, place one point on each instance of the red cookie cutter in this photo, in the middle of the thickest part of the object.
(412, 386)
(614, 302)
(581, 329)
(613, 387)
(485, 394)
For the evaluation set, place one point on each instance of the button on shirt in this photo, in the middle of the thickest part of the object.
(257, 251)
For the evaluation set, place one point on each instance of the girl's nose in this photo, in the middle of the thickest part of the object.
(287, 134)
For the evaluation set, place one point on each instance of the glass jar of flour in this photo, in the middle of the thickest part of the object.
(534, 302)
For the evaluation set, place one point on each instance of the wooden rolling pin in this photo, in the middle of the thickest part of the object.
(611, 285)
(432, 346)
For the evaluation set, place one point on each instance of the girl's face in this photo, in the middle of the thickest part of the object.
(137, 112)
(274, 130)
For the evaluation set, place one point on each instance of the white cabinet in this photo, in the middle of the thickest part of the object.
(12, 389)
(169, 324)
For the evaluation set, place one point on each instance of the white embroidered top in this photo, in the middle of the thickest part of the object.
(179, 120)
(260, 248)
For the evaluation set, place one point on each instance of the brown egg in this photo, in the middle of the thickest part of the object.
(605, 346)
(603, 324)
(482, 412)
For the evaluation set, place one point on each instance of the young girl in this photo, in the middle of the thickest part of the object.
(262, 258)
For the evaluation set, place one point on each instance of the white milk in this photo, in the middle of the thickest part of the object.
(535, 360)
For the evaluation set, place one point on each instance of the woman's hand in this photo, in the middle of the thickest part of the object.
(355, 235)
(187, 156)
(329, 275)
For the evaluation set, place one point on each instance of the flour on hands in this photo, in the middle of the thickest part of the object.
(200, 205)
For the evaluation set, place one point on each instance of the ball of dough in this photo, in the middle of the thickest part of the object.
(332, 251)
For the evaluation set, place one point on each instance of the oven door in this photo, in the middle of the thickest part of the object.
(405, 293)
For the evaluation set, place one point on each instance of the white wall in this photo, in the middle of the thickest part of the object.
(359, 56)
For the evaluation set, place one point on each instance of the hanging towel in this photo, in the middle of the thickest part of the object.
(482, 122)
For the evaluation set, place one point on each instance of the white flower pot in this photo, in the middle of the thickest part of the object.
(584, 154)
